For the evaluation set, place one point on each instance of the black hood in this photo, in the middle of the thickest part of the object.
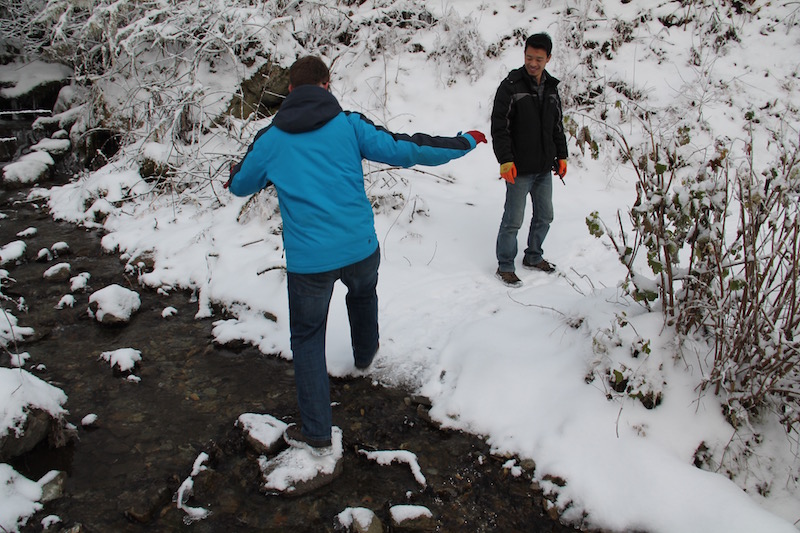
(307, 108)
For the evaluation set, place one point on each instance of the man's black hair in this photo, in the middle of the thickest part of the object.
(540, 41)
(309, 70)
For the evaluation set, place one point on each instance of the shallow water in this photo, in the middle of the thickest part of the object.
(123, 474)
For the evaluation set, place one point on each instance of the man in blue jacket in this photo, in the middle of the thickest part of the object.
(312, 153)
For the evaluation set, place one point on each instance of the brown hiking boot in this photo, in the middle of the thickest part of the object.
(509, 278)
(542, 265)
(295, 438)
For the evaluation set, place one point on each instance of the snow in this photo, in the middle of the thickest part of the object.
(25, 76)
(67, 300)
(525, 367)
(19, 498)
(361, 516)
(52, 146)
(18, 359)
(387, 457)
(185, 492)
(123, 358)
(29, 168)
(401, 513)
(12, 251)
(116, 301)
(21, 391)
(294, 465)
(10, 330)
(57, 270)
(79, 282)
(266, 429)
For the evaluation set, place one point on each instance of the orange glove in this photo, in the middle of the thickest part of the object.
(561, 169)
(508, 171)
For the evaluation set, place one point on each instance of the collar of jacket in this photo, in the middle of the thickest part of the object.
(520, 74)
(307, 108)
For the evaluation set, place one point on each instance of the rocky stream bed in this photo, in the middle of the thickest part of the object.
(123, 471)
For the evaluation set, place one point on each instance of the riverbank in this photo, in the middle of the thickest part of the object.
(124, 470)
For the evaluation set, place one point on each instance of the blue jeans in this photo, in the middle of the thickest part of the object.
(309, 299)
(540, 189)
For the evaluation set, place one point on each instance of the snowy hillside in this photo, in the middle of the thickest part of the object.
(534, 370)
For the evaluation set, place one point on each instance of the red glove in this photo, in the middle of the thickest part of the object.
(561, 168)
(508, 171)
(230, 179)
(478, 136)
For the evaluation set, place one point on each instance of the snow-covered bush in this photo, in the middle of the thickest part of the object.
(721, 242)
(710, 239)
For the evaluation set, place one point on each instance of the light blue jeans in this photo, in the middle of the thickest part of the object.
(309, 300)
(540, 189)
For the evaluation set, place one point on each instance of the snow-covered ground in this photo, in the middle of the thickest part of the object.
(524, 367)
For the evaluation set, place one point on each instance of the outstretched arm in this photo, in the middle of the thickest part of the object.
(379, 144)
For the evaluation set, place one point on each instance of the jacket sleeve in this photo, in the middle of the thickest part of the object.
(379, 144)
(249, 176)
(559, 137)
(501, 124)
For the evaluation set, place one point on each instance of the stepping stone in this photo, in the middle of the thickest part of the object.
(297, 471)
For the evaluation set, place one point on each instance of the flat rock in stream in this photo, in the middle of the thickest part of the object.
(263, 433)
(297, 471)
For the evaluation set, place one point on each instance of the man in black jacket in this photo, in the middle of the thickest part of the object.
(529, 142)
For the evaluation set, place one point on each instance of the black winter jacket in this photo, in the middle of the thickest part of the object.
(528, 132)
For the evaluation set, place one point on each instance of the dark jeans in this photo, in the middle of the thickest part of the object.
(540, 188)
(309, 299)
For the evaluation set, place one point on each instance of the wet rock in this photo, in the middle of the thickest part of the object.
(59, 272)
(45, 126)
(70, 98)
(142, 262)
(55, 147)
(420, 400)
(61, 121)
(77, 528)
(28, 169)
(144, 505)
(52, 485)
(359, 520)
(34, 431)
(44, 256)
(424, 413)
(263, 433)
(296, 471)
(261, 93)
(123, 362)
(114, 304)
(412, 518)
(8, 147)
(42, 96)
(207, 483)
(50, 523)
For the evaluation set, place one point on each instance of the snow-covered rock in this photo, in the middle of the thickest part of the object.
(114, 304)
(28, 409)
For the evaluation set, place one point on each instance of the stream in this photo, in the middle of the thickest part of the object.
(124, 471)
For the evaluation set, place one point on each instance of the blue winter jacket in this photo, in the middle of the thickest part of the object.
(312, 153)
